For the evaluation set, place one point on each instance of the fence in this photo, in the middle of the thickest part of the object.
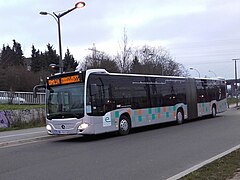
(10, 97)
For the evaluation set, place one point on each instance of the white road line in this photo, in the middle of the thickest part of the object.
(196, 167)
(23, 134)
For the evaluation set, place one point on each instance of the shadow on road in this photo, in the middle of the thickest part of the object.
(104, 136)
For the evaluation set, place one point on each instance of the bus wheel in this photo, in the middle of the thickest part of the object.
(214, 112)
(179, 117)
(124, 125)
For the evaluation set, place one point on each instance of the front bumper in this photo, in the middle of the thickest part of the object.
(69, 127)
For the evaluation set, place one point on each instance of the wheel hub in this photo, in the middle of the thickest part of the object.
(124, 125)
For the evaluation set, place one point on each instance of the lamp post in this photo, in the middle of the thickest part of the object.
(212, 72)
(57, 19)
(191, 68)
(236, 59)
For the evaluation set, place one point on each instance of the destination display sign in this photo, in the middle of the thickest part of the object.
(53, 82)
(64, 80)
(70, 79)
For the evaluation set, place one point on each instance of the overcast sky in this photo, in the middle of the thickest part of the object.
(203, 34)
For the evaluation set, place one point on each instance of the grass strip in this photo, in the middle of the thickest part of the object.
(232, 100)
(221, 169)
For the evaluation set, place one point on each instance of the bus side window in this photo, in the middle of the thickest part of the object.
(93, 89)
(94, 99)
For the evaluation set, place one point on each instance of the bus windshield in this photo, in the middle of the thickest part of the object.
(65, 101)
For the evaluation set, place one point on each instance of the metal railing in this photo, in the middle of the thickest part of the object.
(10, 97)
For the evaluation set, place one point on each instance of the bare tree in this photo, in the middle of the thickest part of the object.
(151, 60)
(125, 56)
(100, 60)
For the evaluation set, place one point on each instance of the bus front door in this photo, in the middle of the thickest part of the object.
(191, 95)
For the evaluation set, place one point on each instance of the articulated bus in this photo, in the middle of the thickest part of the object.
(95, 101)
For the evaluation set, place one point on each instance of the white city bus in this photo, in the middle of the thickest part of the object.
(95, 101)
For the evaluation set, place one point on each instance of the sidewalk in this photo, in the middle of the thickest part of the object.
(233, 106)
(23, 135)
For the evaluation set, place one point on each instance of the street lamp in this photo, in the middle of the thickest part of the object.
(236, 90)
(191, 68)
(57, 19)
(54, 66)
(212, 72)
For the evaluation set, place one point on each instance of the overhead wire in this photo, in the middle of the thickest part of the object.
(213, 51)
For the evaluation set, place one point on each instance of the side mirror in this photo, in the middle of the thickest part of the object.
(38, 88)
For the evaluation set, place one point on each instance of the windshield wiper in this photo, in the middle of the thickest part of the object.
(64, 115)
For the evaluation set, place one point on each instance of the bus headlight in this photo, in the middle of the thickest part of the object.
(83, 126)
(49, 128)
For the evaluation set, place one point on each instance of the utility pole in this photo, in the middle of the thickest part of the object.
(94, 53)
(236, 87)
(57, 19)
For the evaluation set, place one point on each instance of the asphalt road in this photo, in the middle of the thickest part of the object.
(156, 152)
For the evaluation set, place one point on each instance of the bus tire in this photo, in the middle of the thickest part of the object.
(214, 111)
(179, 116)
(124, 125)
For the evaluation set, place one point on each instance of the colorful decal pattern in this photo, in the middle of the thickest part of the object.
(156, 115)
(206, 108)
(150, 115)
(222, 105)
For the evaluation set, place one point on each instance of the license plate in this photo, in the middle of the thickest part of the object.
(60, 132)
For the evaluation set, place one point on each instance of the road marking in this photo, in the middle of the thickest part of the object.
(198, 166)
(14, 135)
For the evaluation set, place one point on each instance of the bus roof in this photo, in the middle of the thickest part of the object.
(90, 71)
